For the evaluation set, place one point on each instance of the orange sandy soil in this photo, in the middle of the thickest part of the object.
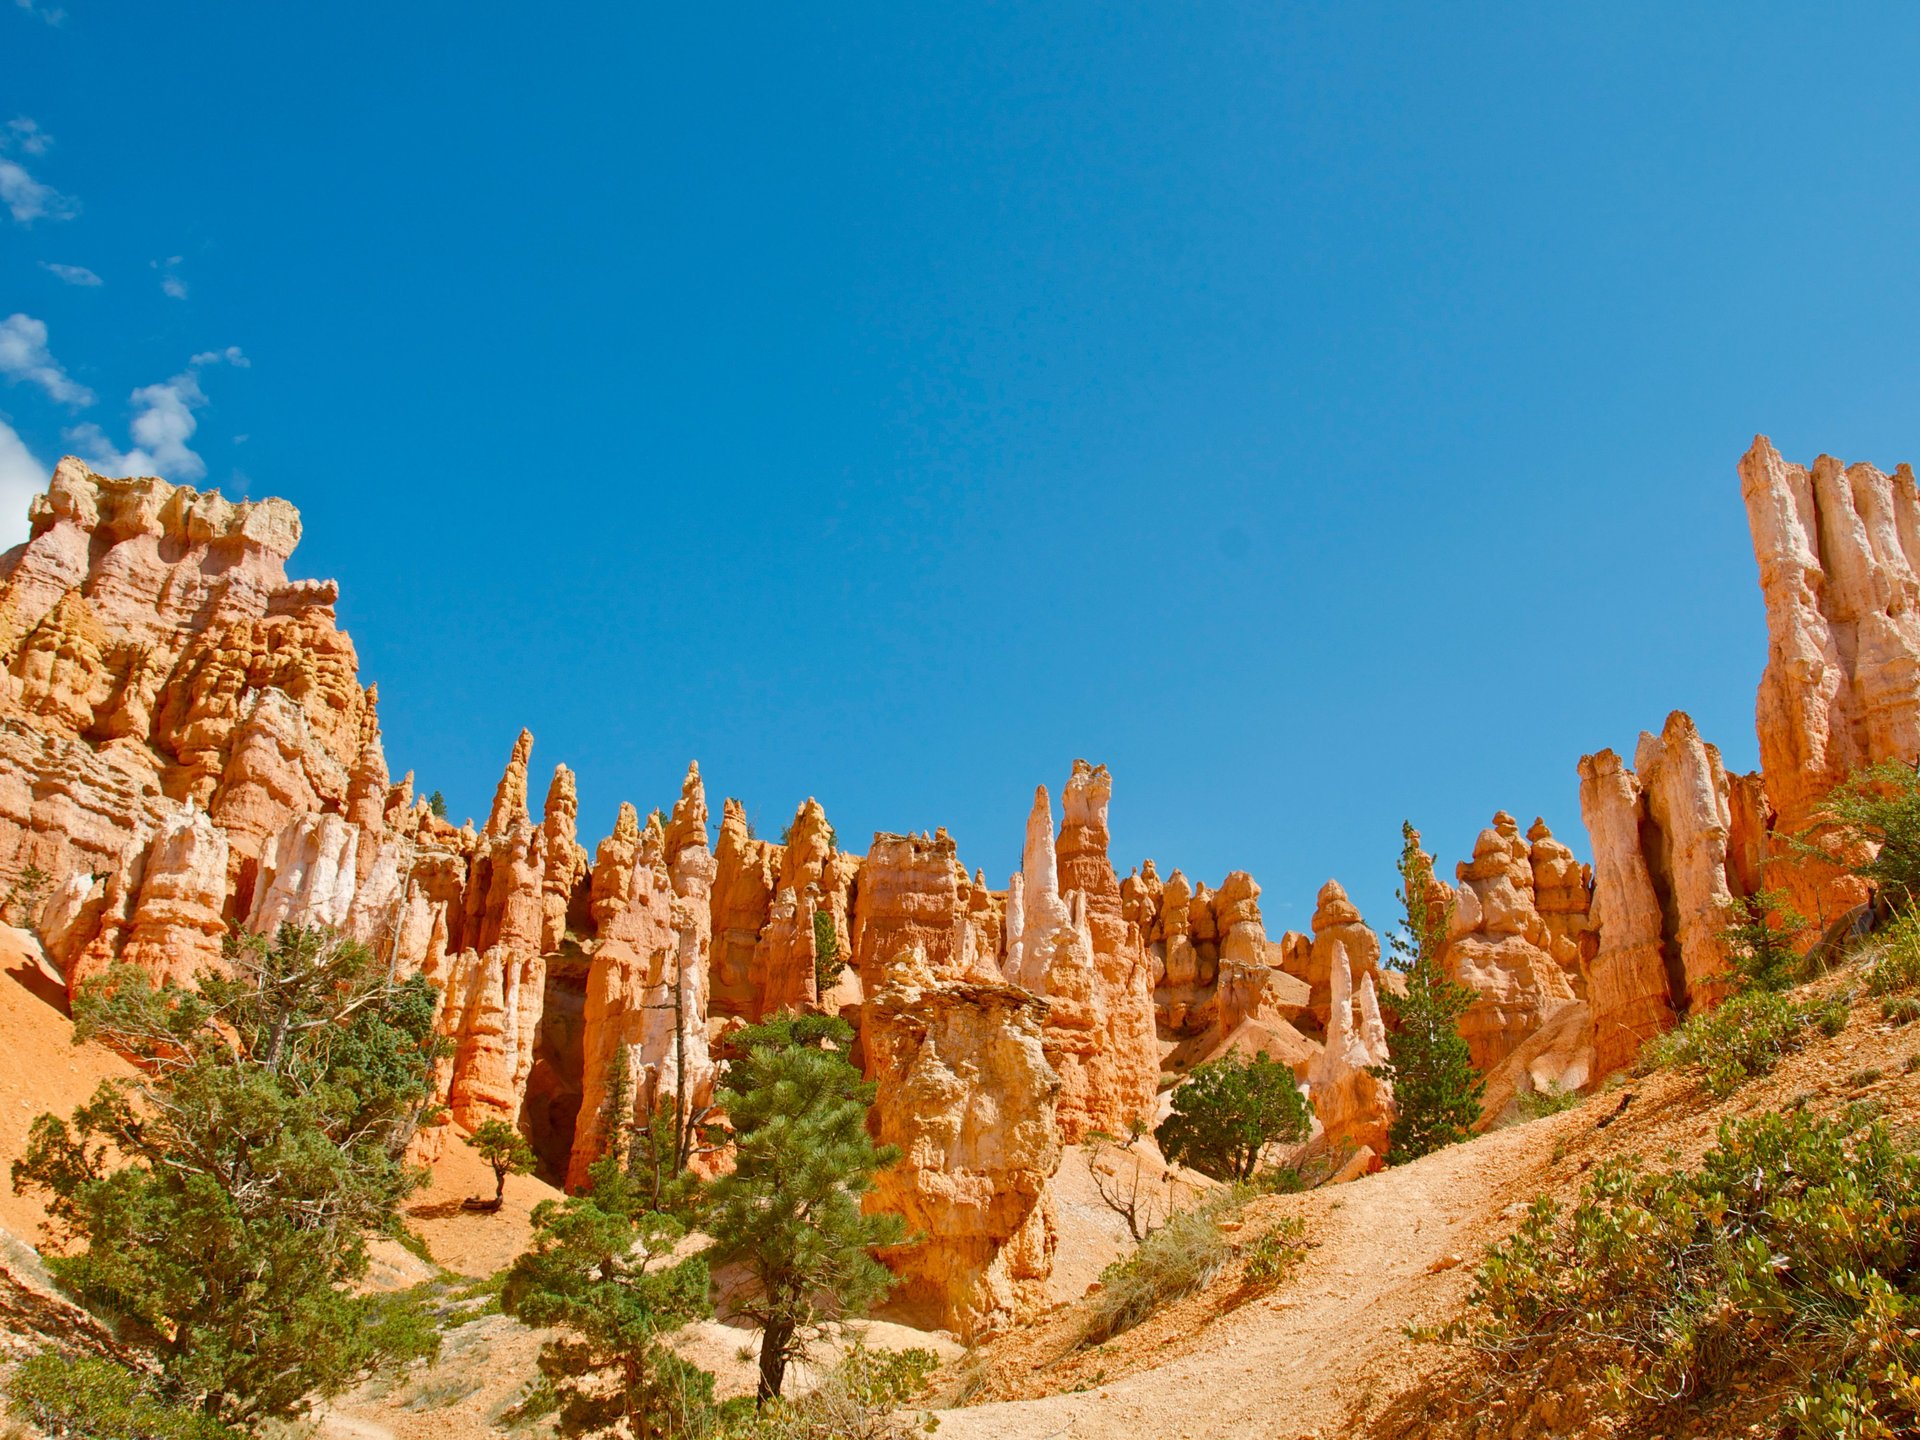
(1325, 1355)
(41, 1068)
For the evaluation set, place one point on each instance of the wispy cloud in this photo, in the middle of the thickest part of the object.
(24, 356)
(52, 14)
(163, 423)
(26, 198)
(27, 137)
(72, 274)
(21, 478)
(170, 282)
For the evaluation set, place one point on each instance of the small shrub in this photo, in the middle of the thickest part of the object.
(1895, 965)
(1273, 1258)
(1860, 1079)
(1744, 1038)
(1763, 940)
(85, 1398)
(1784, 1267)
(827, 964)
(1538, 1104)
(1173, 1262)
(860, 1400)
(1900, 1009)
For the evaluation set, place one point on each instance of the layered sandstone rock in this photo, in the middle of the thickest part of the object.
(645, 1019)
(966, 1093)
(1687, 800)
(1340, 938)
(1667, 875)
(1627, 986)
(161, 908)
(1069, 940)
(1500, 945)
(1838, 548)
(1353, 1105)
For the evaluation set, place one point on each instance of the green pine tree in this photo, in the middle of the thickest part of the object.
(601, 1269)
(790, 1209)
(219, 1199)
(1436, 1090)
(506, 1151)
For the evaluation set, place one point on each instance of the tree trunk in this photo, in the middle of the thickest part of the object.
(773, 1359)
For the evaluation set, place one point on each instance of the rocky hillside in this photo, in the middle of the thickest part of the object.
(185, 747)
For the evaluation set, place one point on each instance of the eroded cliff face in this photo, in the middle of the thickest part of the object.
(1838, 548)
(965, 1090)
(155, 653)
(1499, 943)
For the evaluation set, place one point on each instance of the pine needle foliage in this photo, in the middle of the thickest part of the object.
(790, 1209)
(601, 1268)
(219, 1200)
(1436, 1090)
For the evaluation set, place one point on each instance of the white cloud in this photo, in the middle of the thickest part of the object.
(72, 274)
(26, 135)
(163, 423)
(52, 14)
(170, 282)
(24, 356)
(28, 200)
(21, 478)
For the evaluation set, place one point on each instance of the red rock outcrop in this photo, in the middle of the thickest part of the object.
(647, 985)
(1627, 983)
(1838, 548)
(1500, 945)
(966, 1093)
(1667, 871)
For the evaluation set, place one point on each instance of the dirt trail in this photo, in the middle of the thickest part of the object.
(1325, 1355)
(1286, 1365)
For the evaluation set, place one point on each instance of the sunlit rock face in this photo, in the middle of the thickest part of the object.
(966, 1092)
(1838, 548)
(154, 653)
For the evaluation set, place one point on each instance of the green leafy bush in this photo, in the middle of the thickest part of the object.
(1875, 818)
(1173, 1262)
(1229, 1111)
(1744, 1038)
(1900, 1009)
(87, 1398)
(1786, 1268)
(1272, 1259)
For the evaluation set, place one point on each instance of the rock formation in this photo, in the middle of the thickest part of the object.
(1666, 877)
(1353, 1105)
(1499, 944)
(966, 1093)
(1838, 548)
(647, 988)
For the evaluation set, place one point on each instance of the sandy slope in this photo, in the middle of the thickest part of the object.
(1326, 1354)
(41, 1068)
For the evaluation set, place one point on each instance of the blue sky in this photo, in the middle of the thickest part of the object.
(1321, 415)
